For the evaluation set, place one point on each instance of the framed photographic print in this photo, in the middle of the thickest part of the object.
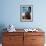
(26, 13)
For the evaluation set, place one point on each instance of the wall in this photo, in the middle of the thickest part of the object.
(10, 13)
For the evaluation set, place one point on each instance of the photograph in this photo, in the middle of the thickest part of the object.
(26, 13)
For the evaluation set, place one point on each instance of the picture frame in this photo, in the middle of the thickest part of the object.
(26, 13)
